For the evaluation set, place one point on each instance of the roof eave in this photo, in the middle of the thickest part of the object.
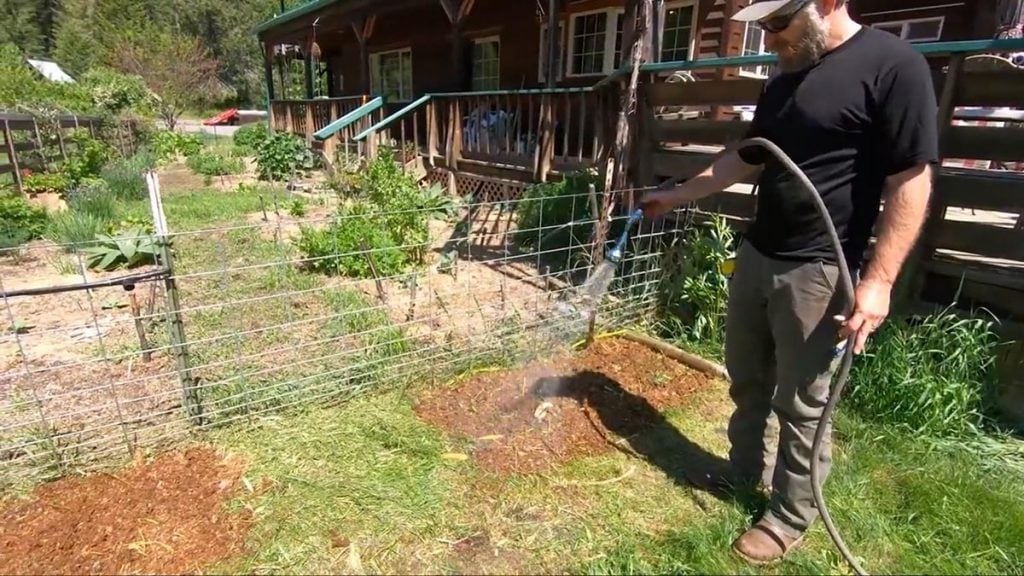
(293, 14)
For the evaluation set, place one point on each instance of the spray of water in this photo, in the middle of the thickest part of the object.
(598, 283)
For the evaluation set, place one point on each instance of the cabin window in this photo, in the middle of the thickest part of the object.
(589, 44)
(620, 25)
(391, 74)
(919, 30)
(486, 64)
(753, 45)
(542, 70)
(677, 31)
(596, 45)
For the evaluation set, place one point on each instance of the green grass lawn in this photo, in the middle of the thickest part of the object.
(366, 487)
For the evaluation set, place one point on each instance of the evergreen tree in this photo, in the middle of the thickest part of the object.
(20, 27)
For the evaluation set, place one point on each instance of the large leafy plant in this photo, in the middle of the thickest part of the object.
(127, 249)
(341, 248)
(21, 221)
(281, 155)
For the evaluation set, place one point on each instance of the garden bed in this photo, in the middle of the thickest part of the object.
(530, 419)
(166, 516)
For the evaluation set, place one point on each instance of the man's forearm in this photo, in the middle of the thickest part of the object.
(727, 170)
(906, 207)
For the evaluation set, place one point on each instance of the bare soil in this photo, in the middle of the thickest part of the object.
(169, 516)
(551, 411)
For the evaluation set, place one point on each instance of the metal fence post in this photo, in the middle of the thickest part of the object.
(176, 328)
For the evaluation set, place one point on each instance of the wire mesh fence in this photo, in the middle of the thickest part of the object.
(288, 309)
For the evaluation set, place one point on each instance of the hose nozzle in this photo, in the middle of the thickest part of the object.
(616, 253)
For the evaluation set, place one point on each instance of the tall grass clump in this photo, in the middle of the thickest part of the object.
(73, 229)
(929, 375)
(126, 177)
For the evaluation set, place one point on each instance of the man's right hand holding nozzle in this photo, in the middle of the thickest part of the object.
(660, 202)
(727, 169)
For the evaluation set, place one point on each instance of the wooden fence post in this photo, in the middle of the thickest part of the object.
(13, 156)
(176, 327)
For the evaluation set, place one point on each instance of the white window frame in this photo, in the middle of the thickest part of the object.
(614, 16)
(609, 42)
(691, 53)
(905, 27)
(560, 72)
(761, 70)
(484, 40)
(375, 73)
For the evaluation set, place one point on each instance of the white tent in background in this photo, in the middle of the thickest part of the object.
(51, 71)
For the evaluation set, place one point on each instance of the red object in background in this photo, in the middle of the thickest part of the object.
(225, 117)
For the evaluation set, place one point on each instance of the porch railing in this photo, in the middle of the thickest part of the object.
(337, 139)
(307, 117)
(528, 131)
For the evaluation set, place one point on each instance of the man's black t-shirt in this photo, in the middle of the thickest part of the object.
(865, 111)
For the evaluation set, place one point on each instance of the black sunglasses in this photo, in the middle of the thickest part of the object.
(780, 23)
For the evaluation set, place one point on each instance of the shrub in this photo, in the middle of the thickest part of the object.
(401, 203)
(87, 160)
(207, 163)
(280, 155)
(930, 375)
(126, 178)
(42, 183)
(250, 137)
(338, 249)
(168, 146)
(20, 220)
(557, 216)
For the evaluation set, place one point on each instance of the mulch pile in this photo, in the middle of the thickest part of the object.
(168, 516)
(548, 412)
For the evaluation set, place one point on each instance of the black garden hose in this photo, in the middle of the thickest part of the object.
(846, 285)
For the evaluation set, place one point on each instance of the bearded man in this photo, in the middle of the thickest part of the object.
(855, 108)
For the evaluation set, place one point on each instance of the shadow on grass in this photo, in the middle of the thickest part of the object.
(651, 436)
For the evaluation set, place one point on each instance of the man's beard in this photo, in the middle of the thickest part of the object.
(809, 49)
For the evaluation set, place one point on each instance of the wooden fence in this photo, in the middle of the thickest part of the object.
(972, 248)
(30, 143)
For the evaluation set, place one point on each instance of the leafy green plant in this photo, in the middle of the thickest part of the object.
(208, 163)
(249, 137)
(45, 183)
(339, 248)
(930, 375)
(400, 203)
(128, 249)
(297, 208)
(281, 155)
(557, 216)
(168, 145)
(20, 220)
(437, 203)
(694, 292)
(87, 159)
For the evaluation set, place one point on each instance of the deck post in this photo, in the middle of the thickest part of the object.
(268, 69)
(307, 66)
(553, 38)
